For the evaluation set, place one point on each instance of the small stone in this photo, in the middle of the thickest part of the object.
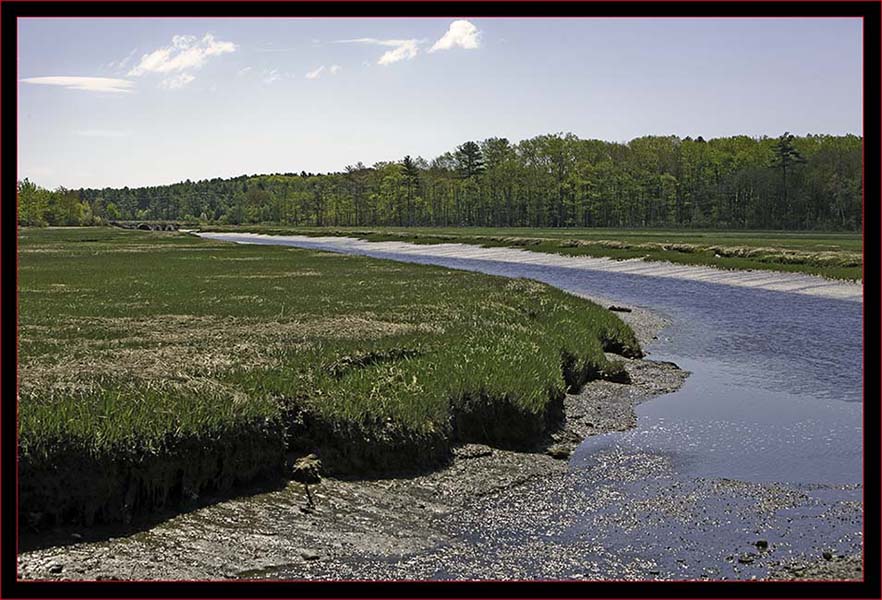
(56, 568)
(560, 452)
(746, 559)
(827, 555)
(309, 555)
(762, 545)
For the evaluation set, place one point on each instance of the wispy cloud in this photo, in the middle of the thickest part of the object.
(243, 70)
(89, 84)
(121, 64)
(401, 49)
(186, 53)
(102, 133)
(460, 34)
(317, 72)
(176, 82)
(270, 76)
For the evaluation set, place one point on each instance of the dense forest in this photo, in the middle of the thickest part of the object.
(789, 182)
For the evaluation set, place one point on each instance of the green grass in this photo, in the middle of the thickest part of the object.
(134, 345)
(832, 255)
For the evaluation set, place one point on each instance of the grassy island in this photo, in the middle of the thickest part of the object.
(155, 368)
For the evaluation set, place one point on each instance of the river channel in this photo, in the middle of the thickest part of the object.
(769, 423)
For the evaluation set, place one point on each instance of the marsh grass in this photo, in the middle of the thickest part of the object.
(163, 349)
(831, 255)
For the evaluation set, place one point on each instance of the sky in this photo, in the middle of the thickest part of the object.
(149, 101)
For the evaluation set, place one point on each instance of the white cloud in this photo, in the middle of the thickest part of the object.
(102, 133)
(186, 53)
(120, 64)
(460, 34)
(243, 70)
(89, 84)
(271, 76)
(316, 73)
(401, 49)
(407, 50)
(176, 82)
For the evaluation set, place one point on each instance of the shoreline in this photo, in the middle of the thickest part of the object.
(775, 281)
(355, 517)
(316, 395)
(418, 527)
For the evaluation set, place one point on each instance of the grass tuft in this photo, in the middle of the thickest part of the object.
(172, 366)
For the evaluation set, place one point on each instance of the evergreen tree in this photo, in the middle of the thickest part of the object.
(785, 156)
(469, 160)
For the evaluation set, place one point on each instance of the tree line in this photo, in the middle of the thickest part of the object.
(558, 180)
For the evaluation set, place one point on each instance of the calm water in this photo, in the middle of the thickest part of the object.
(762, 442)
(776, 389)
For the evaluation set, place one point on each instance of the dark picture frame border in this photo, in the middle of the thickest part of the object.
(869, 11)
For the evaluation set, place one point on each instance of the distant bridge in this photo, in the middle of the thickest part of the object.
(148, 225)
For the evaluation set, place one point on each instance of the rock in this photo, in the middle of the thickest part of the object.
(309, 555)
(56, 568)
(762, 545)
(559, 451)
(827, 555)
(615, 308)
(746, 559)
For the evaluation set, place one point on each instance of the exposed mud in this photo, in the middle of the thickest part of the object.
(767, 280)
(491, 514)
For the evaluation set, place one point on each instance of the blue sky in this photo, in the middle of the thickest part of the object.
(115, 102)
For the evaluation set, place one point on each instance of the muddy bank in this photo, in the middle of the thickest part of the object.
(497, 514)
(829, 567)
(796, 283)
(269, 534)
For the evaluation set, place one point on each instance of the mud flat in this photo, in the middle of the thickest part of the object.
(491, 514)
(377, 521)
(628, 513)
(764, 280)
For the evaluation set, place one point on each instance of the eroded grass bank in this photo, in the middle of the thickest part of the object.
(832, 255)
(157, 368)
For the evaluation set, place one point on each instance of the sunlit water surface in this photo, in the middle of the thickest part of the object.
(775, 393)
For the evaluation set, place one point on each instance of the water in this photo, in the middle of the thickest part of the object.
(775, 395)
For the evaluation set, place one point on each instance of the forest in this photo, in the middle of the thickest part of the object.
(811, 182)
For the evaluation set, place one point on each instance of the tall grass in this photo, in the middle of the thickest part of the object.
(135, 346)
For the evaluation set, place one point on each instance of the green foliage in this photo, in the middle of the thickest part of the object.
(548, 181)
(38, 207)
(133, 342)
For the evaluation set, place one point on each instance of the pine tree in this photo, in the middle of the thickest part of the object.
(785, 156)
(469, 160)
